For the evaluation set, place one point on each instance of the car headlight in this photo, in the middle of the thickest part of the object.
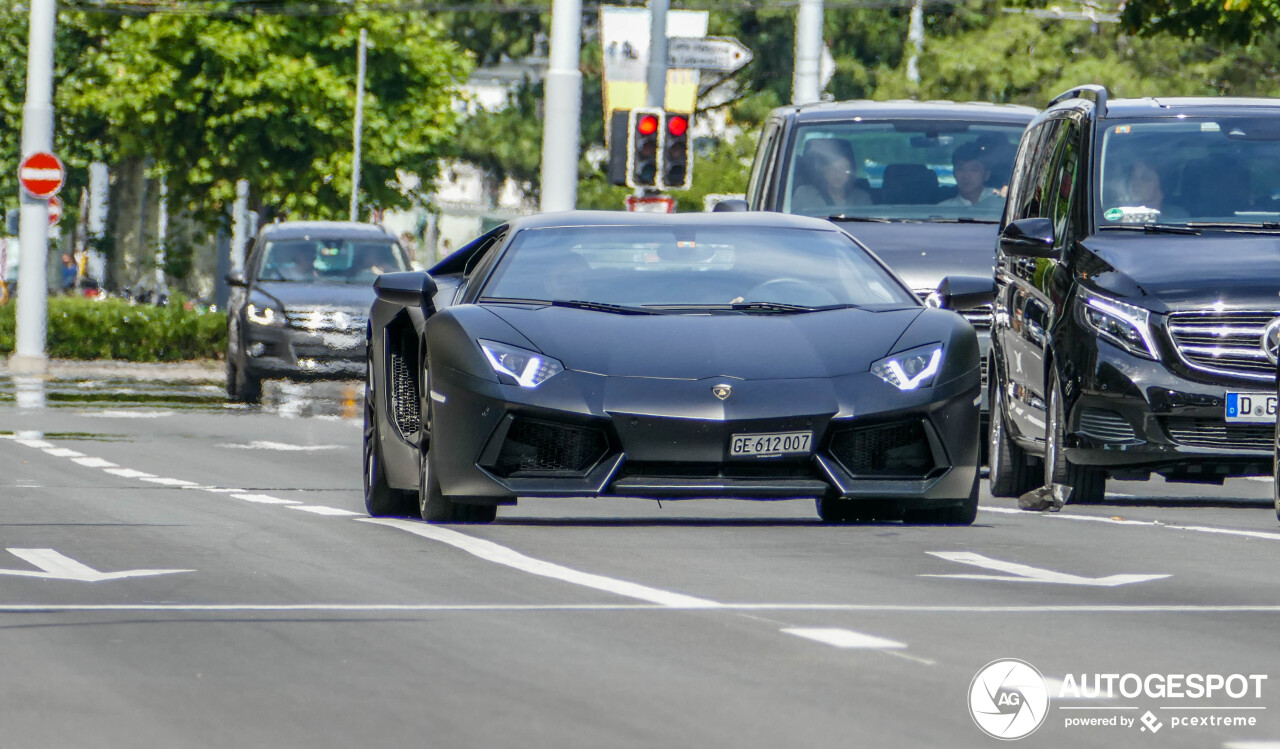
(263, 315)
(910, 369)
(1125, 325)
(522, 367)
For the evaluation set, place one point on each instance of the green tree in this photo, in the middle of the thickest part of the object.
(1237, 21)
(270, 98)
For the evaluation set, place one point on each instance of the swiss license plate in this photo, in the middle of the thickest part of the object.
(771, 443)
(1257, 407)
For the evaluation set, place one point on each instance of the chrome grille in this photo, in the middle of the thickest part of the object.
(326, 319)
(1106, 425)
(1215, 433)
(1227, 343)
(978, 317)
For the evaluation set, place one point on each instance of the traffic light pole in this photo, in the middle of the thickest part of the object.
(33, 232)
(562, 109)
(657, 72)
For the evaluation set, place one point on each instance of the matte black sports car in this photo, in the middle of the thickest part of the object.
(757, 356)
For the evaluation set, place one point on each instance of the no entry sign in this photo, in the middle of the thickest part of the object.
(55, 210)
(41, 175)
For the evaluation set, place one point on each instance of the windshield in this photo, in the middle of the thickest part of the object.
(329, 260)
(920, 170)
(716, 266)
(1190, 170)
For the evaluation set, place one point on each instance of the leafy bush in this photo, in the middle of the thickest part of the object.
(115, 329)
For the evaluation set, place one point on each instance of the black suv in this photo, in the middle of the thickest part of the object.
(920, 183)
(300, 308)
(1137, 314)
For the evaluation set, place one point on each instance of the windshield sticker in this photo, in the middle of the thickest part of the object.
(1132, 214)
(1123, 129)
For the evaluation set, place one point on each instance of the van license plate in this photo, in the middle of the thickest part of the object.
(1251, 407)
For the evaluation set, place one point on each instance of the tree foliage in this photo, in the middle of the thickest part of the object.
(1236, 21)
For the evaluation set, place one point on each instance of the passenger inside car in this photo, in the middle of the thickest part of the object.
(829, 176)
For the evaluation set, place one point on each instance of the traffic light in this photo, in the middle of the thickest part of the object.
(644, 152)
(676, 162)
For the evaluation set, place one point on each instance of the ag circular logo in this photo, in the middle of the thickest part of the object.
(1271, 340)
(1008, 699)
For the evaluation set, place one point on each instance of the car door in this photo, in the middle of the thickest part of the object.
(1022, 314)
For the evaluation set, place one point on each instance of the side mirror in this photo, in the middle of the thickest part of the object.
(408, 289)
(1028, 237)
(964, 292)
(236, 278)
(732, 205)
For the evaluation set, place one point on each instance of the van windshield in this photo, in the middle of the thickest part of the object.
(914, 170)
(1190, 170)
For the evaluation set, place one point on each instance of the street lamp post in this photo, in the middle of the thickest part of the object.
(359, 126)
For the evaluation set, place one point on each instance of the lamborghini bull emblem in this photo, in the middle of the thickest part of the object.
(722, 391)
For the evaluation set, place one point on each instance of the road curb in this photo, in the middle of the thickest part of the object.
(106, 369)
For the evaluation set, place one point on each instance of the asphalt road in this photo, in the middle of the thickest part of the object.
(257, 606)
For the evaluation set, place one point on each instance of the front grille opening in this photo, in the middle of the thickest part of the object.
(1227, 342)
(1215, 433)
(1106, 425)
(405, 402)
(533, 446)
(897, 450)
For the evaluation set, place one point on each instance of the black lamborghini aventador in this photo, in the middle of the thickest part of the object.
(756, 356)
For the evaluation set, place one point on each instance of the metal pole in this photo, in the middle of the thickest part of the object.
(915, 37)
(657, 72)
(162, 235)
(806, 85)
(359, 126)
(239, 225)
(33, 232)
(562, 109)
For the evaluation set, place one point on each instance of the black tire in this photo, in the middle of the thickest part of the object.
(1008, 466)
(380, 500)
(1088, 485)
(962, 514)
(433, 505)
(242, 387)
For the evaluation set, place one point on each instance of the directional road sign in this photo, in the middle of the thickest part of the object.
(722, 54)
(41, 175)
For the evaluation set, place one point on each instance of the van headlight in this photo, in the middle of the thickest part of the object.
(911, 369)
(1125, 325)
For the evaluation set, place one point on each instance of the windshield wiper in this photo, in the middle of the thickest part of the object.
(618, 309)
(864, 219)
(778, 307)
(1154, 228)
(1262, 226)
(960, 220)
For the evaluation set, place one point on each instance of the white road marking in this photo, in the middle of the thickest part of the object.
(168, 482)
(94, 462)
(844, 638)
(265, 499)
(497, 554)
(322, 510)
(129, 473)
(1021, 573)
(62, 452)
(114, 414)
(1265, 480)
(280, 446)
(55, 566)
(835, 607)
(37, 444)
(1251, 745)
(1148, 523)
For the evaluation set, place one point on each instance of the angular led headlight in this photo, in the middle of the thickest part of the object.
(263, 315)
(910, 369)
(517, 366)
(1125, 325)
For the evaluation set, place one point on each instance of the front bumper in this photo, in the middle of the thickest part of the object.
(670, 439)
(291, 353)
(1135, 416)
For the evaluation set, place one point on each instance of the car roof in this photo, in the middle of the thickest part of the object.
(567, 219)
(1171, 106)
(325, 229)
(828, 111)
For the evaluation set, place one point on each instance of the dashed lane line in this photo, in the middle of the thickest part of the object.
(845, 639)
(1264, 535)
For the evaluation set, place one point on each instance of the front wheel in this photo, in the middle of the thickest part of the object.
(380, 500)
(1088, 485)
(1008, 467)
(435, 507)
(962, 514)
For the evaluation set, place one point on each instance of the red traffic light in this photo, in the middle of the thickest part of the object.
(647, 125)
(677, 125)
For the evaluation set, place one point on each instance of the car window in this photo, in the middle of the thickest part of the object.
(1063, 183)
(329, 260)
(901, 169)
(1033, 192)
(1209, 169)
(764, 165)
(714, 265)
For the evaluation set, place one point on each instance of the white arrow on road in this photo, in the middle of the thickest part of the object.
(55, 566)
(1021, 573)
